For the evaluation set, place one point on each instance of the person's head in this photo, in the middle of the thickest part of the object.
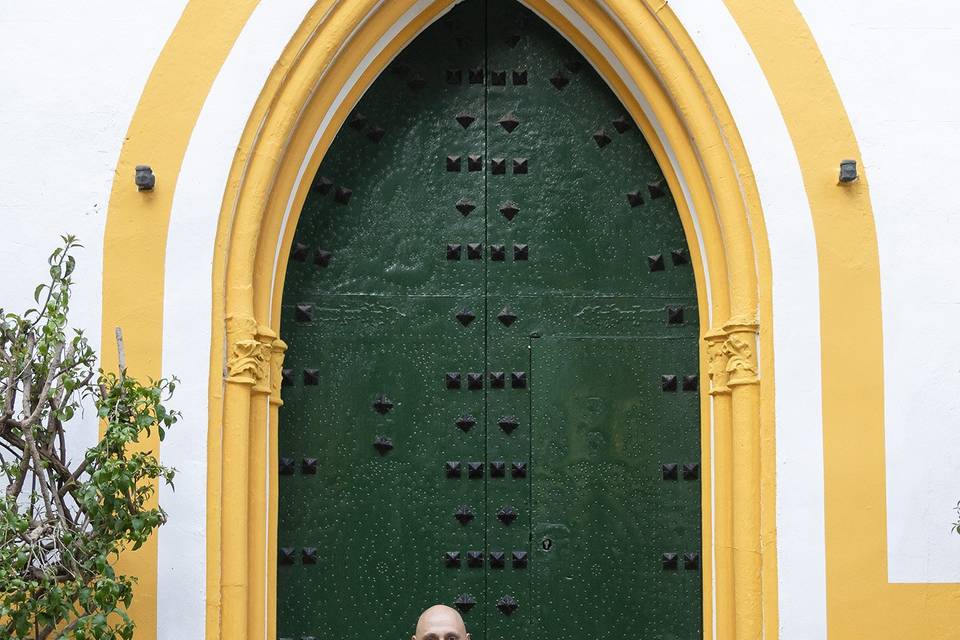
(441, 622)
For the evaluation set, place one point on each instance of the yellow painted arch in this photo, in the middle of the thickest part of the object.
(320, 57)
(299, 97)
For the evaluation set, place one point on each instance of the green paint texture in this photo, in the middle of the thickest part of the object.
(589, 263)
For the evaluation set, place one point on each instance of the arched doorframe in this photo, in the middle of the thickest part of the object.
(642, 51)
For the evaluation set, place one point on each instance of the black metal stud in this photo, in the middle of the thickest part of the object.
(520, 165)
(519, 77)
(453, 468)
(691, 561)
(506, 515)
(309, 555)
(691, 383)
(322, 185)
(464, 602)
(452, 380)
(635, 198)
(506, 317)
(475, 250)
(375, 134)
(358, 121)
(453, 163)
(286, 467)
(508, 424)
(474, 381)
(475, 75)
(509, 209)
(303, 312)
(657, 188)
(498, 469)
(465, 207)
(286, 377)
(453, 251)
(382, 404)
(465, 119)
(286, 555)
(311, 377)
(621, 124)
(518, 469)
(559, 81)
(498, 78)
(497, 252)
(465, 423)
(454, 76)
(463, 514)
(521, 251)
(383, 444)
(497, 379)
(679, 257)
(497, 559)
(655, 262)
(507, 605)
(417, 82)
(668, 383)
(475, 559)
(519, 559)
(474, 163)
(342, 195)
(601, 138)
(308, 466)
(451, 559)
(674, 314)
(518, 380)
(322, 258)
(669, 471)
(691, 471)
(299, 252)
(498, 166)
(475, 469)
(668, 561)
(465, 316)
(509, 122)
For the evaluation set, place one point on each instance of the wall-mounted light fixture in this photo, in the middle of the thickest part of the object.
(145, 178)
(848, 171)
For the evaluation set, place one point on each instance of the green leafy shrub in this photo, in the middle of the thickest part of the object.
(63, 522)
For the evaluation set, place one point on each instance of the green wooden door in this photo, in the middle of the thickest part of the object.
(491, 394)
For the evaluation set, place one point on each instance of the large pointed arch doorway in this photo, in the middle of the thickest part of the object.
(491, 386)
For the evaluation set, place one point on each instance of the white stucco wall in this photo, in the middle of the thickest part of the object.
(69, 82)
(894, 64)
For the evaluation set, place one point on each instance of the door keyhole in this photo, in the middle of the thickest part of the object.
(547, 544)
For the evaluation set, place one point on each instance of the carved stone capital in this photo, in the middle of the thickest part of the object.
(731, 354)
(265, 336)
(278, 349)
(247, 353)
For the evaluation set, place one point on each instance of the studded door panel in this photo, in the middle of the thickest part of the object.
(491, 387)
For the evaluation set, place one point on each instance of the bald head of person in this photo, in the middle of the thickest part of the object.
(441, 622)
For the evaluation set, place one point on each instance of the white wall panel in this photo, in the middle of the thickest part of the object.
(70, 79)
(895, 65)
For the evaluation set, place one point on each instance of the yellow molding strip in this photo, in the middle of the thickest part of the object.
(136, 226)
(860, 601)
(250, 227)
(768, 537)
